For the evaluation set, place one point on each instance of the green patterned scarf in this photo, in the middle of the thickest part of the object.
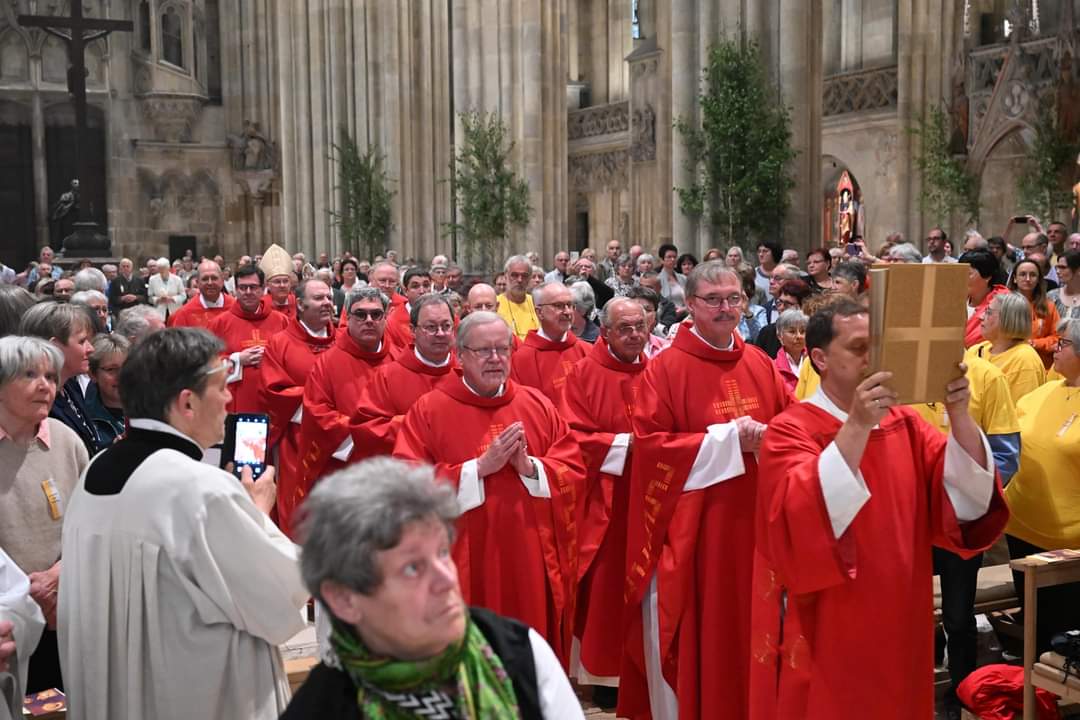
(466, 682)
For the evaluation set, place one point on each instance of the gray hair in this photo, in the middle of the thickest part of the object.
(710, 272)
(906, 253)
(787, 271)
(623, 260)
(163, 261)
(106, 344)
(19, 354)
(605, 312)
(423, 301)
(537, 269)
(481, 317)
(48, 320)
(1014, 315)
(368, 292)
(516, 260)
(109, 267)
(1070, 330)
(583, 297)
(980, 243)
(90, 279)
(354, 514)
(538, 291)
(83, 297)
(134, 322)
(791, 318)
(645, 256)
(164, 364)
(14, 302)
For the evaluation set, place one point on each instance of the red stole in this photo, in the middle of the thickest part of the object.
(240, 330)
(193, 314)
(515, 554)
(698, 544)
(544, 364)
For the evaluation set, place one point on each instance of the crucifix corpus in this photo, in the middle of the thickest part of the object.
(80, 31)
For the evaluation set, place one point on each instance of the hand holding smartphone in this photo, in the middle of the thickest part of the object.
(246, 436)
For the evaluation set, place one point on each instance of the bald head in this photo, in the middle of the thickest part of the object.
(211, 282)
(617, 308)
(482, 297)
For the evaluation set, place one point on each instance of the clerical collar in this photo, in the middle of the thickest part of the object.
(541, 333)
(311, 332)
(162, 427)
(427, 362)
(502, 388)
(730, 345)
(219, 303)
(637, 360)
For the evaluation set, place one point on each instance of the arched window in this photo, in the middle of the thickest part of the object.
(172, 37)
(144, 25)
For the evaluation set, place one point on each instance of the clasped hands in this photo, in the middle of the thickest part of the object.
(508, 448)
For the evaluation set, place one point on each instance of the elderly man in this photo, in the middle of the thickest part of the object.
(847, 478)
(549, 353)
(517, 472)
(1034, 243)
(562, 268)
(438, 279)
(63, 289)
(584, 301)
(287, 362)
(277, 268)
(335, 384)
(516, 304)
(606, 267)
(45, 257)
(98, 304)
(702, 408)
(245, 329)
(207, 304)
(597, 400)
(482, 298)
(1072, 242)
(398, 385)
(455, 278)
(127, 289)
(137, 322)
(174, 576)
(586, 269)
(399, 332)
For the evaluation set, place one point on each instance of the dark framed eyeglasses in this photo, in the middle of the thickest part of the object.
(363, 315)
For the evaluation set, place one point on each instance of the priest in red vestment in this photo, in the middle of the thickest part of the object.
(517, 470)
(597, 402)
(399, 331)
(396, 386)
(245, 329)
(277, 266)
(700, 414)
(548, 354)
(854, 490)
(287, 361)
(383, 275)
(336, 383)
(208, 303)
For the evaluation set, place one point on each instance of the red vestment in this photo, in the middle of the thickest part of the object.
(399, 332)
(698, 544)
(598, 402)
(288, 309)
(331, 393)
(287, 361)
(240, 330)
(544, 364)
(858, 631)
(515, 552)
(193, 314)
(385, 400)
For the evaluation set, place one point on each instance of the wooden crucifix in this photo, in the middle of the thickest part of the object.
(78, 24)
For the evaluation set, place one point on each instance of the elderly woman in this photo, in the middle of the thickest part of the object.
(1006, 325)
(672, 282)
(1043, 502)
(103, 394)
(984, 282)
(376, 554)
(623, 279)
(536, 277)
(791, 328)
(165, 290)
(1027, 279)
(42, 461)
(645, 263)
(584, 300)
(734, 257)
(69, 328)
(97, 304)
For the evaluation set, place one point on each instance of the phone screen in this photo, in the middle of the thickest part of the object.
(852, 249)
(249, 447)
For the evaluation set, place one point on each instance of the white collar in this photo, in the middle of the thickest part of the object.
(541, 333)
(162, 427)
(427, 362)
(730, 346)
(311, 332)
(220, 301)
(502, 388)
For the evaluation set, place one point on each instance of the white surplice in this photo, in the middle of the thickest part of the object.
(174, 595)
(17, 607)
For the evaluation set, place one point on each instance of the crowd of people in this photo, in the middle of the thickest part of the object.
(671, 480)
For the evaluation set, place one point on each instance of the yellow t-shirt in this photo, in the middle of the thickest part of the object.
(809, 381)
(991, 406)
(1044, 494)
(1023, 368)
(521, 317)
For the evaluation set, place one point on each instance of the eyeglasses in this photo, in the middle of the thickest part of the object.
(445, 329)
(559, 306)
(715, 301)
(227, 365)
(363, 315)
(502, 351)
(628, 330)
(248, 288)
(1062, 343)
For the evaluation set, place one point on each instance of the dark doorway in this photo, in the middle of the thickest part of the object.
(17, 244)
(581, 232)
(61, 167)
(180, 244)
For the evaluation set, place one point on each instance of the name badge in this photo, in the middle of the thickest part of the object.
(52, 495)
(1068, 424)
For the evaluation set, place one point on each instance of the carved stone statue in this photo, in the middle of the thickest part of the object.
(251, 149)
(65, 214)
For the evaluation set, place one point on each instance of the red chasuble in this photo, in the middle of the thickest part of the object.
(544, 364)
(240, 330)
(193, 314)
(597, 402)
(332, 392)
(399, 332)
(516, 554)
(288, 309)
(858, 638)
(385, 400)
(699, 544)
(288, 360)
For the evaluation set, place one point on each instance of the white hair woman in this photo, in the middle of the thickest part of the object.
(376, 554)
(1006, 325)
(165, 290)
(791, 331)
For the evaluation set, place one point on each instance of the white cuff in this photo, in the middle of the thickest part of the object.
(538, 486)
(470, 494)
(615, 462)
(237, 373)
(969, 485)
(719, 458)
(845, 492)
(344, 450)
(299, 414)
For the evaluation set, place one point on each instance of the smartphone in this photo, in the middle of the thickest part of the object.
(245, 442)
(852, 249)
(1020, 219)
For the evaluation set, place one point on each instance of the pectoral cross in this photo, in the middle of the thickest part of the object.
(77, 24)
(735, 405)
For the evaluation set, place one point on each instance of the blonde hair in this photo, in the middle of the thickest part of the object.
(1014, 315)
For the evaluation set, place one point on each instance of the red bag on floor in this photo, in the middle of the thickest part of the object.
(996, 692)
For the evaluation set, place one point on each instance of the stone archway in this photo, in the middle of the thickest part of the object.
(997, 187)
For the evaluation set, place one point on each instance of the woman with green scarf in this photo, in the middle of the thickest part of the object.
(403, 645)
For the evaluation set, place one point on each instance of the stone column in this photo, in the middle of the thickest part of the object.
(41, 179)
(685, 79)
(851, 29)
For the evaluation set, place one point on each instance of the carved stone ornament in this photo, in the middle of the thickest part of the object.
(598, 120)
(172, 115)
(600, 171)
(643, 146)
(251, 150)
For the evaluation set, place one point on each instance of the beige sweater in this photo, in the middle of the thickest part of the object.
(28, 532)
